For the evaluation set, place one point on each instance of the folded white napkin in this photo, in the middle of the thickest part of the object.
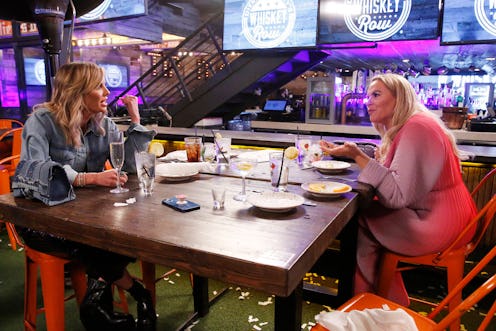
(367, 320)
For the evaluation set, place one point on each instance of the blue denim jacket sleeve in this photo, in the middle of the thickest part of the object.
(42, 180)
(44, 140)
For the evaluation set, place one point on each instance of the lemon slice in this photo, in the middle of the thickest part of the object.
(291, 153)
(156, 148)
(217, 135)
(317, 187)
(340, 189)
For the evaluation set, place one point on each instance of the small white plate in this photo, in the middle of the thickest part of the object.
(176, 171)
(326, 189)
(331, 166)
(276, 202)
(179, 155)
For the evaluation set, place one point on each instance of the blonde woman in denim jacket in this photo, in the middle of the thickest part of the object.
(72, 129)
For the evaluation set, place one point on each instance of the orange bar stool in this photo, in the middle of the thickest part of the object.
(52, 287)
(51, 275)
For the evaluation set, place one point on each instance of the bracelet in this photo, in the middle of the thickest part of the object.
(81, 179)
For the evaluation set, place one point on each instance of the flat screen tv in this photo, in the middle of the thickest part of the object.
(34, 69)
(349, 21)
(114, 9)
(468, 22)
(269, 24)
(275, 105)
(116, 75)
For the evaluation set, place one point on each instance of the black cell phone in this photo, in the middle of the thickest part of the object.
(182, 207)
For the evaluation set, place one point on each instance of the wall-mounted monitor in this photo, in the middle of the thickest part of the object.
(114, 9)
(349, 21)
(269, 24)
(468, 22)
(34, 69)
(275, 105)
(116, 75)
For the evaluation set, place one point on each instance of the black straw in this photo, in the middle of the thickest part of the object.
(280, 171)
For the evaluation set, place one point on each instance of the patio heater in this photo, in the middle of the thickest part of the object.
(49, 16)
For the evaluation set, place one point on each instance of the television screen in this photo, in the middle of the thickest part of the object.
(115, 75)
(349, 21)
(268, 24)
(112, 9)
(275, 105)
(34, 71)
(468, 22)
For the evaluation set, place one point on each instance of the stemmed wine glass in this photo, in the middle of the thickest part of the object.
(117, 159)
(243, 167)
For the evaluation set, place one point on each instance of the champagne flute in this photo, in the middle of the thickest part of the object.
(117, 159)
(243, 167)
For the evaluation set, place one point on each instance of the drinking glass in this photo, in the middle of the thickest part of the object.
(145, 168)
(193, 148)
(279, 171)
(243, 167)
(222, 150)
(303, 146)
(117, 159)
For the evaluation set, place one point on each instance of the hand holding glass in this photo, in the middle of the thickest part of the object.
(243, 167)
(117, 159)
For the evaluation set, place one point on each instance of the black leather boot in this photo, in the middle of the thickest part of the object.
(96, 310)
(147, 318)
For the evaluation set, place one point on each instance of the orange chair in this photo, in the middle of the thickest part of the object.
(10, 146)
(368, 300)
(452, 258)
(51, 275)
(8, 123)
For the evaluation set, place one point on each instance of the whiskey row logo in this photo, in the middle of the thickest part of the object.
(375, 20)
(485, 13)
(268, 23)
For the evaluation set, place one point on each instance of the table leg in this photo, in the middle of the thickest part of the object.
(287, 314)
(200, 295)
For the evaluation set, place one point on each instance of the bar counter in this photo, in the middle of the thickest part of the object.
(480, 146)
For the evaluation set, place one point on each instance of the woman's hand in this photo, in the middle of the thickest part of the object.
(105, 178)
(131, 103)
(349, 150)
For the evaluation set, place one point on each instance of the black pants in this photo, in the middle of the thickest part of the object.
(98, 262)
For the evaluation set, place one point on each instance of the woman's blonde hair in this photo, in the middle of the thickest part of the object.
(72, 82)
(406, 105)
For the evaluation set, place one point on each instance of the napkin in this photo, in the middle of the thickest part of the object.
(367, 320)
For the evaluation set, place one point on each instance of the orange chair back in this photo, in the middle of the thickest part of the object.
(368, 300)
(10, 123)
(10, 145)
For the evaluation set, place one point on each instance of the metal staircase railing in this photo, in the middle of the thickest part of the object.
(177, 74)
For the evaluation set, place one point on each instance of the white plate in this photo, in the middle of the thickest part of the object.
(177, 171)
(276, 202)
(260, 156)
(326, 189)
(179, 155)
(331, 166)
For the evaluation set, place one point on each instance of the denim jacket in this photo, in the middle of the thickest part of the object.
(42, 139)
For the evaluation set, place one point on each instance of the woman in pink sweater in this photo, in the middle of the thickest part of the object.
(421, 203)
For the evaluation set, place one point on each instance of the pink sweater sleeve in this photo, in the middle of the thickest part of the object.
(418, 156)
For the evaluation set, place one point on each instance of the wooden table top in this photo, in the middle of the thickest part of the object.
(241, 244)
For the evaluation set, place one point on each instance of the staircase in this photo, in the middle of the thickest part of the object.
(213, 82)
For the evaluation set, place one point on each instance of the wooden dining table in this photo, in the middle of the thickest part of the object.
(241, 244)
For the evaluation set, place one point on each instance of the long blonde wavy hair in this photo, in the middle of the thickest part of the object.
(72, 82)
(406, 106)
